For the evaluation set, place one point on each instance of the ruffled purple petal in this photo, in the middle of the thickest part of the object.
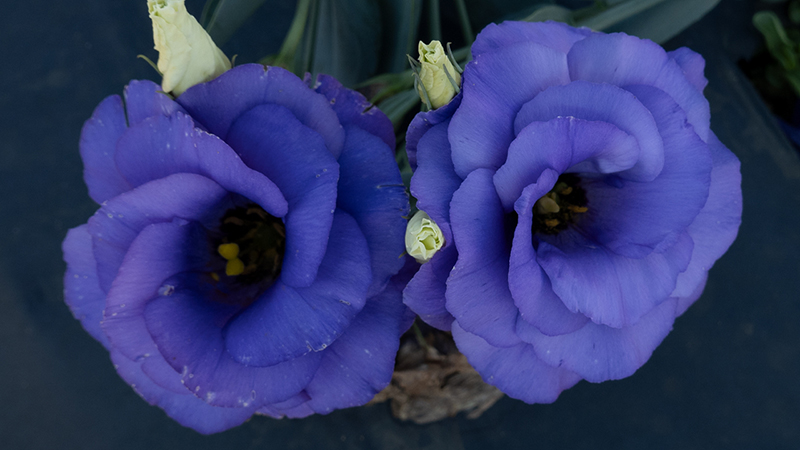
(435, 180)
(370, 189)
(632, 218)
(360, 363)
(477, 289)
(184, 408)
(603, 103)
(296, 403)
(573, 145)
(423, 122)
(555, 35)
(533, 294)
(287, 322)
(624, 60)
(159, 146)
(82, 291)
(715, 227)
(220, 102)
(425, 293)
(516, 370)
(610, 289)
(98, 144)
(116, 224)
(599, 353)
(352, 108)
(144, 99)
(483, 126)
(693, 65)
(159, 252)
(271, 140)
(188, 329)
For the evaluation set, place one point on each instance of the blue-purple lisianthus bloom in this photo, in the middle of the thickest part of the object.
(300, 313)
(583, 199)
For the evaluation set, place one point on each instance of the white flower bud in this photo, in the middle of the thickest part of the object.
(439, 87)
(423, 237)
(186, 53)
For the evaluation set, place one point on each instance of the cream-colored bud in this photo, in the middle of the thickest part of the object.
(423, 237)
(186, 53)
(439, 87)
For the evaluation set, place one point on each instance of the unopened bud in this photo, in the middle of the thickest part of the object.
(186, 53)
(438, 77)
(423, 237)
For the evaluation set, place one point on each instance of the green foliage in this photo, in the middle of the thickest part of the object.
(784, 46)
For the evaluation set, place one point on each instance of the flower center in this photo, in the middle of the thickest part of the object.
(560, 207)
(253, 243)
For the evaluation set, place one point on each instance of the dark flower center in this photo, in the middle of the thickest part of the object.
(253, 243)
(560, 207)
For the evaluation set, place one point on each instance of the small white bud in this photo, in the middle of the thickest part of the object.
(423, 237)
(433, 74)
(186, 53)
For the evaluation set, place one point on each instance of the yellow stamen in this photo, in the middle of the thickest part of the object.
(228, 251)
(215, 276)
(552, 223)
(577, 209)
(234, 267)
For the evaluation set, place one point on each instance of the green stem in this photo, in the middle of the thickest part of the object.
(294, 36)
(466, 27)
(435, 20)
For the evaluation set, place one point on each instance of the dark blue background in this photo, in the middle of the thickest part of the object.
(727, 377)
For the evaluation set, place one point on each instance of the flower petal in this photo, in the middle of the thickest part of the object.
(98, 144)
(220, 102)
(603, 103)
(116, 224)
(370, 189)
(423, 122)
(186, 409)
(516, 370)
(82, 291)
(555, 35)
(571, 144)
(435, 180)
(425, 293)
(272, 141)
(633, 218)
(529, 285)
(352, 108)
(361, 362)
(715, 227)
(692, 65)
(599, 353)
(159, 252)
(159, 146)
(287, 322)
(188, 329)
(477, 289)
(610, 289)
(483, 126)
(144, 99)
(624, 60)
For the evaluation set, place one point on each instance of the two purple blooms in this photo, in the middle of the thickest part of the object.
(581, 194)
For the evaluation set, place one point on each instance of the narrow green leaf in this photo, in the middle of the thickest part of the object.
(664, 20)
(400, 22)
(778, 43)
(228, 16)
(551, 12)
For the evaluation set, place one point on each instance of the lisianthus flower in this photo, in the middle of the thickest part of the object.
(582, 198)
(242, 257)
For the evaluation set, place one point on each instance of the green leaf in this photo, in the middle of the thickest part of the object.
(400, 22)
(664, 20)
(342, 39)
(224, 17)
(551, 12)
(778, 43)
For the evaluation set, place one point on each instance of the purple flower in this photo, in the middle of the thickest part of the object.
(583, 200)
(301, 315)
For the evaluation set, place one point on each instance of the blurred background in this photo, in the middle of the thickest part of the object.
(728, 376)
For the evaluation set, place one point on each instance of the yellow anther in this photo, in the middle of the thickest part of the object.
(228, 251)
(234, 267)
(215, 276)
(577, 209)
(566, 191)
(552, 223)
